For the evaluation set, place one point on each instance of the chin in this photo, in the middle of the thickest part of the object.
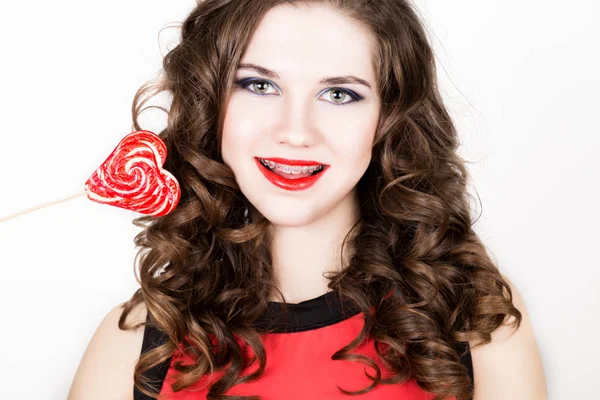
(284, 217)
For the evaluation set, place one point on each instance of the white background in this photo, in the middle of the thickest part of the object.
(519, 77)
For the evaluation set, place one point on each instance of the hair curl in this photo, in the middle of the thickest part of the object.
(204, 270)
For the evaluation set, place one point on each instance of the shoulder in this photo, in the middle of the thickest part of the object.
(510, 366)
(106, 368)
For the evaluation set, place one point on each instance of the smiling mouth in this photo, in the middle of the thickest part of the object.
(289, 178)
(291, 171)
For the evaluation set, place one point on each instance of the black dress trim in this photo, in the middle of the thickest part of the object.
(318, 312)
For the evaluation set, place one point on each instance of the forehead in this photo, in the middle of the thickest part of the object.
(308, 42)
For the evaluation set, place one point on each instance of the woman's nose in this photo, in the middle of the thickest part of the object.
(297, 125)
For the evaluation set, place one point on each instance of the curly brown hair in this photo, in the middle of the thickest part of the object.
(205, 269)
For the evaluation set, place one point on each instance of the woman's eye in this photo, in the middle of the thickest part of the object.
(259, 87)
(342, 94)
(338, 95)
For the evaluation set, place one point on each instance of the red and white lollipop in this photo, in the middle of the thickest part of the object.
(131, 177)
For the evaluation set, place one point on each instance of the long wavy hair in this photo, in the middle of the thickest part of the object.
(419, 273)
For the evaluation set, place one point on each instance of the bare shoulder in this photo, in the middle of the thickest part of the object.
(510, 366)
(106, 368)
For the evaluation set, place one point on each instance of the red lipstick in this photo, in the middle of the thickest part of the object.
(290, 184)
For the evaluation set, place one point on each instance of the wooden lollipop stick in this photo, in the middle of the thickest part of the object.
(41, 206)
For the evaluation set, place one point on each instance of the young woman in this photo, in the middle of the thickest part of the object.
(323, 243)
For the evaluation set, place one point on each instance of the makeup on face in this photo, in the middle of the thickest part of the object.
(347, 94)
(291, 174)
(302, 114)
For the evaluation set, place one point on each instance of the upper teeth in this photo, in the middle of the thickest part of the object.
(291, 169)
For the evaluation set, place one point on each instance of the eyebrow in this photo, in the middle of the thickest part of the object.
(332, 80)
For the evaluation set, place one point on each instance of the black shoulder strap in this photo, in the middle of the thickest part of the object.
(465, 356)
(153, 338)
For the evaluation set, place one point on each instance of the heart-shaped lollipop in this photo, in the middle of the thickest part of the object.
(132, 177)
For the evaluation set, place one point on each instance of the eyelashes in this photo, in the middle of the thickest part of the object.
(245, 83)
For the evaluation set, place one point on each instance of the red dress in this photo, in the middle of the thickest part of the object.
(299, 364)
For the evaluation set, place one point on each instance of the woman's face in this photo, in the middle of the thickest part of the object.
(288, 113)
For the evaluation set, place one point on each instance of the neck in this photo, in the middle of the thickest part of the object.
(303, 254)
